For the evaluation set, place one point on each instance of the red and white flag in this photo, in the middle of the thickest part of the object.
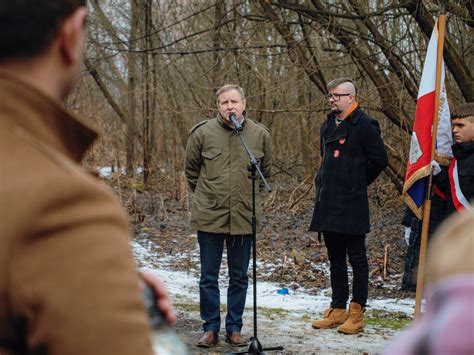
(418, 168)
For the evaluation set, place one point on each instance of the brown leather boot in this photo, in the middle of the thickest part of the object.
(332, 318)
(208, 339)
(355, 323)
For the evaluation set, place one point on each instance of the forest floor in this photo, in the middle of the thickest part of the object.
(288, 257)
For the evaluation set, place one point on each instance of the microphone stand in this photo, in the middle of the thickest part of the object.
(255, 346)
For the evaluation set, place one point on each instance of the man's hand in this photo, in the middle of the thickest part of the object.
(407, 235)
(162, 298)
(435, 167)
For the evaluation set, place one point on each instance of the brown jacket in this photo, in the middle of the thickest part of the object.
(216, 170)
(68, 283)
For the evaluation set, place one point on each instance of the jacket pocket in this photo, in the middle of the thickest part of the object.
(205, 202)
(211, 164)
(259, 157)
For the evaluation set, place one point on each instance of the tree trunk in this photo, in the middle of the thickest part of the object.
(132, 88)
(217, 42)
(305, 152)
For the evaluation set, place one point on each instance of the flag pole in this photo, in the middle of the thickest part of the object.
(427, 202)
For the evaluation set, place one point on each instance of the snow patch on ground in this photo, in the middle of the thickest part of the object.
(283, 320)
(185, 285)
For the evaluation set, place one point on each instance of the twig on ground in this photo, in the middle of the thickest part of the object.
(385, 262)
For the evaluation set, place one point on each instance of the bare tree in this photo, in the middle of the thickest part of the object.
(158, 63)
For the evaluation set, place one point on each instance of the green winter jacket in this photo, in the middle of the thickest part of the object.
(216, 170)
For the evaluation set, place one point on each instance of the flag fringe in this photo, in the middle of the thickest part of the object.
(443, 159)
(417, 211)
(419, 174)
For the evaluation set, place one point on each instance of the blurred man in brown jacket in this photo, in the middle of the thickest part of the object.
(68, 283)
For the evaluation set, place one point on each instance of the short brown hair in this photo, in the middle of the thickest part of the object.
(28, 27)
(228, 87)
(336, 82)
(464, 111)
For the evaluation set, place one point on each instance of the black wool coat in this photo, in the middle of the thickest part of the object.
(353, 155)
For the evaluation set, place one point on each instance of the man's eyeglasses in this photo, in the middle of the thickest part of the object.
(335, 97)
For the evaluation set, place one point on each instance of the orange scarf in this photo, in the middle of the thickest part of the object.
(351, 109)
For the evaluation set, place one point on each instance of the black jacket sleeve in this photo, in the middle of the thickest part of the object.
(375, 150)
(441, 180)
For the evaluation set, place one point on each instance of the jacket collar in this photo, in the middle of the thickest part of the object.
(462, 150)
(332, 133)
(352, 118)
(28, 109)
(224, 125)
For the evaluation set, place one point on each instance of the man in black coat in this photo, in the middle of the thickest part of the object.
(353, 155)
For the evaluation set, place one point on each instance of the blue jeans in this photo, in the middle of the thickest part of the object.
(211, 246)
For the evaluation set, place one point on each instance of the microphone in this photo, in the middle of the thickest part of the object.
(235, 122)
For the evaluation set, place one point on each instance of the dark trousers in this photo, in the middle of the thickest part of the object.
(410, 274)
(211, 246)
(341, 246)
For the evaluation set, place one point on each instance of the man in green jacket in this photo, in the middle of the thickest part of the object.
(216, 170)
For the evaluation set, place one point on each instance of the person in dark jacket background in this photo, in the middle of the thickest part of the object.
(413, 237)
(353, 155)
(457, 182)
